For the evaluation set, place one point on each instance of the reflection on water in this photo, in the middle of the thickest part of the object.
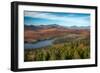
(38, 44)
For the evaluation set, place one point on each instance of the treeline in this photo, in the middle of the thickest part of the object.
(79, 49)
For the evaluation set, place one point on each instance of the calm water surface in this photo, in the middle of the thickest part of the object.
(39, 44)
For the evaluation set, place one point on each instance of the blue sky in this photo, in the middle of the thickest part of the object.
(60, 18)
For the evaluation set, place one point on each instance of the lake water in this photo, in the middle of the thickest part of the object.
(38, 44)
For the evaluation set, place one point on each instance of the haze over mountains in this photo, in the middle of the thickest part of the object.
(41, 32)
(35, 27)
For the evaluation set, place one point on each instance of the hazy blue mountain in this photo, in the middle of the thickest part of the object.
(35, 27)
(79, 27)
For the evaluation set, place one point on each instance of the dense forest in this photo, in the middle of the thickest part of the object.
(63, 48)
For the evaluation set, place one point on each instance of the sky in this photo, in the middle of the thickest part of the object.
(60, 18)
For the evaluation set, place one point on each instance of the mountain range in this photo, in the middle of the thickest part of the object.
(35, 27)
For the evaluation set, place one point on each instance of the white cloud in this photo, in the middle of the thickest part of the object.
(71, 18)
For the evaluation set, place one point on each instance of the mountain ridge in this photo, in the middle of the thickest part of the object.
(34, 27)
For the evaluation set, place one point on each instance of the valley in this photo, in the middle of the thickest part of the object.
(55, 42)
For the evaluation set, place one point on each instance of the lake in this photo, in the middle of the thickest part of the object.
(39, 44)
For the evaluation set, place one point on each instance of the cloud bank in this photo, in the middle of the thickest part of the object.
(66, 19)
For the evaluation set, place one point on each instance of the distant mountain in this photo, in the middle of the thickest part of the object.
(30, 27)
(79, 27)
(35, 27)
